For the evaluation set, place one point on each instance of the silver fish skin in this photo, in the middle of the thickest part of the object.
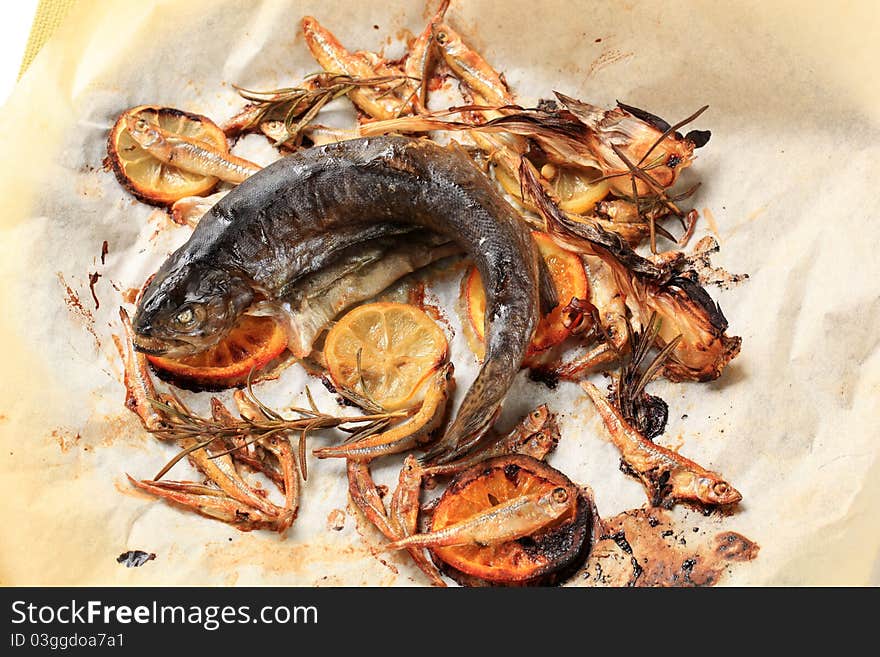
(297, 215)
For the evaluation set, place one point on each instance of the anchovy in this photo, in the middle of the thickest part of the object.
(536, 435)
(668, 476)
(517, 517)
(404, 436)
(191, 155)
(297, 215)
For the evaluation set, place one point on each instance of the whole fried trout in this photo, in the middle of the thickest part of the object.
(299, 214)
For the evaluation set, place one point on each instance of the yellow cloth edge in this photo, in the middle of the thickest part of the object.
(48, 16)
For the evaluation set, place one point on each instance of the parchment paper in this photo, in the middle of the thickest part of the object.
(789, 189)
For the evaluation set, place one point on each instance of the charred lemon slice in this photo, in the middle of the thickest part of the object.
(253, 344)
(568, 274)
(397, 345)
(149, 179)
(574, 187)
(542, 558)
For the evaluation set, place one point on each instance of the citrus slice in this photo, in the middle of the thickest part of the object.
(399, 347)
(574, 187)
(541, 558)
(567, 271)
(253, 344)
(149, 179)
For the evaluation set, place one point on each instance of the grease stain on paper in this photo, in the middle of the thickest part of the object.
(286, 561)
(606, 59)
(336, 520)
(66, 439)
(76, 308)
(710, 219)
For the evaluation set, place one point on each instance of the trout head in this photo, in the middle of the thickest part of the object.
(189, 309)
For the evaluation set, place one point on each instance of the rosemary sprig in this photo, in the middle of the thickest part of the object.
(180, 423)
(298, 106)
(639, 408)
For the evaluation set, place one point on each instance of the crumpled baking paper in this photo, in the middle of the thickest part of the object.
(789, 190)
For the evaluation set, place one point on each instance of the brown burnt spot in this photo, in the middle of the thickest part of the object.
(336, 520)
(130, 295)
(93, 278)
(76, 308)
(403, 35)
(651, 547)
(549, 376)
(735, 547)
(676, 443)
(3, 418)
(65, 439)
(135, 558)
(105, 249)
(437, 81)
(72, 300)
(418, 296)
(707, 274)
(160, 220)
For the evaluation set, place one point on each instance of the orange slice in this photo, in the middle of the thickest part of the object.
(149, 179)
(538, 559)
(252, 345)
(399, 347)
(567, 271)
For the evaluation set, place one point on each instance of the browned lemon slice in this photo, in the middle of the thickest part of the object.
(149, 179)
(399, 347)
(574, 187)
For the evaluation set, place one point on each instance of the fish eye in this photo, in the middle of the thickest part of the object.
(442, 38)
(720, 488)
(140, 125)
(185, 317)
(559, 495)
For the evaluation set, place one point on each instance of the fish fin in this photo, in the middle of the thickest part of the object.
(661, 124)
(590, 115)
(459, 441)
(548, 297)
